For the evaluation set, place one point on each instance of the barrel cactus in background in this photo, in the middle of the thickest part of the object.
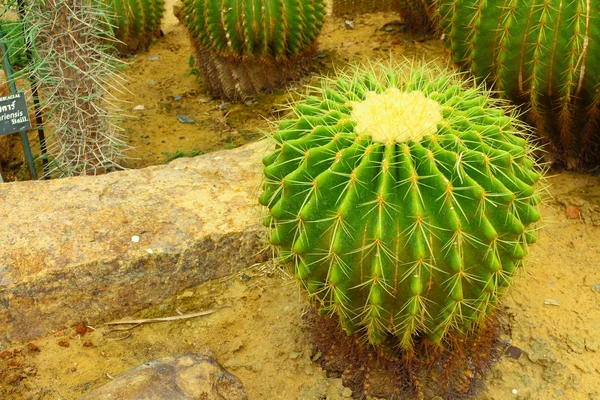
(405, 201)
(136, 22)
(543, 54)
(245, 47)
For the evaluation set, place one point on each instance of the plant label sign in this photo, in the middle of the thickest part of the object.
(14, 116)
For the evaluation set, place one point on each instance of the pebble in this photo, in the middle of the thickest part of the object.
(246, 277)
(185, 120)
(389, 29)
(596, 287)
(321, 55)
(135, 239)
(139, 107)
(153, 58)
(177, 98)
(540, 351)
(515, 391)
(591, 345)
(551, 302)
(349, 24)
(513, 352)
(248, 103)
(223, 107)
(575, 344)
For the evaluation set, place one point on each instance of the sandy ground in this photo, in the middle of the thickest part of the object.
(166, 90)
(259, 334)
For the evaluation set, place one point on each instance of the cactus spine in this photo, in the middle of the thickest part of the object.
(405, 201)
(245, 47)
(543, 54)
(136, 22)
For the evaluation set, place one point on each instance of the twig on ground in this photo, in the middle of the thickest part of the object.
(163, 319)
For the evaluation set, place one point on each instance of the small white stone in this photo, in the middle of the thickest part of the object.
(135, 239)
(150, 251)
(139, 107)
(515, 391)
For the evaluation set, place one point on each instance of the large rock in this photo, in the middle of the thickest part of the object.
(66, 247)
(184, 377)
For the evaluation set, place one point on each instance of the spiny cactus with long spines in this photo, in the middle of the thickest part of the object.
(136, 22)
(75, 75)
(245, 47)
(405, 201)
(544, 54)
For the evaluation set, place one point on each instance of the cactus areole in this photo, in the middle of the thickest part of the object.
(405, 201)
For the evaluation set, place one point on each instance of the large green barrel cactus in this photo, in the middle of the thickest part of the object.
(544, 54)
(136, 22)
(245, 47)
(405, 201)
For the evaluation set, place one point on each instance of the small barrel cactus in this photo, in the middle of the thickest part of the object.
(136, 22)
(543, 54)
(245, 47)
(405, 199)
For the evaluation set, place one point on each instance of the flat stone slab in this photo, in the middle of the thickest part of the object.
(99, 248)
